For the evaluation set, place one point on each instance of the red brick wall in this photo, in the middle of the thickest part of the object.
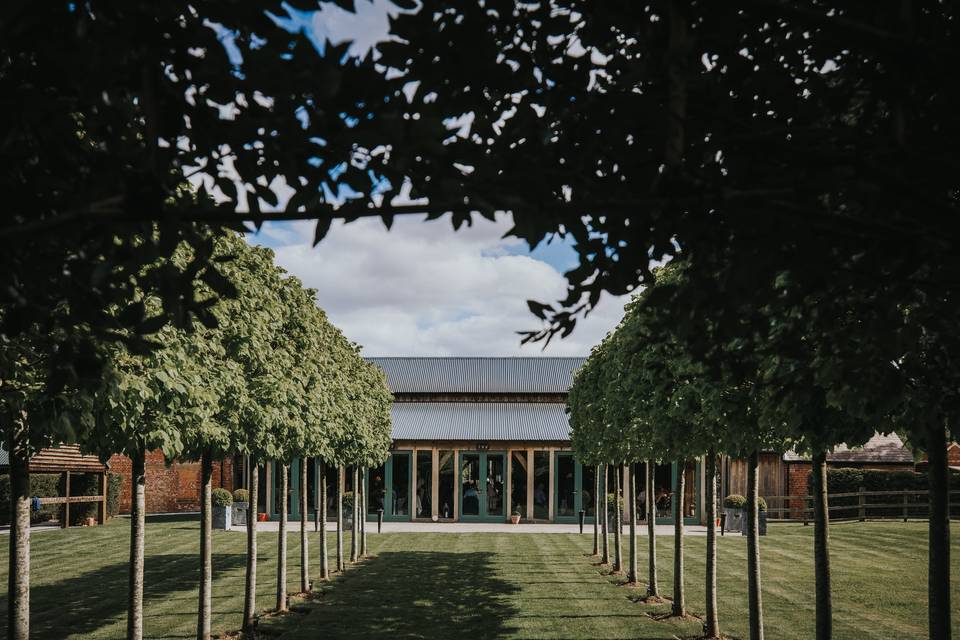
(797, 475)
(170, 488)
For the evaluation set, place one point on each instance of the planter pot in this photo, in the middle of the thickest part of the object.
(222, 518)
(515, 519)
(734, 521)
(762, 522)
(239, 514)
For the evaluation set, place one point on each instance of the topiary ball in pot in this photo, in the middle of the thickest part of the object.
(222, 501)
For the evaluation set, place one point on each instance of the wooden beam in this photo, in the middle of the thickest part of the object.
(530, 484)
(434, 482)
(521, 459)
(66, 504)
(103, 503)
(445, 457)
(456, 486)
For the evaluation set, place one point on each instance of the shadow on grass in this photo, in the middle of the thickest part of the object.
(86, 602)
(414, 594)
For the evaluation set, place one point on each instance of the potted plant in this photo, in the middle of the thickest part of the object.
(733, 506)
(241, 508)
(762, 516)
(222, 501)
(515, 516)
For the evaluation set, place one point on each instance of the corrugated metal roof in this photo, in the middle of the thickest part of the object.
(881, 448)
(478, 374)
(480, 421)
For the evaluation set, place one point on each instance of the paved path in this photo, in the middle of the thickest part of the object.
(480, 527)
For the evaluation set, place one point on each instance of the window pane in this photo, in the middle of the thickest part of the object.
(640, 495)
(689, 490)
(541, 482)
(446, 480)
(566, 486)
(588, 480)
(495, 481)
(518, 483)
(469, 479)
(401, 484)
(424, 484)
(377, 488)
(663, 490)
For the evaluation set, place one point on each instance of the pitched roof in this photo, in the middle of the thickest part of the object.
(546, 421)
(880, 449)
(62, 458)
(478, 374)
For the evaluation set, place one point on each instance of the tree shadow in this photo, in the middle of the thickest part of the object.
(414, 594)
(85, 603)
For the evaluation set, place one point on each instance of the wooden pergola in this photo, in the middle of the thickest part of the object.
(67, 460)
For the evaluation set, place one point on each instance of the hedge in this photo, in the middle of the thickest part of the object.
(849, 480)
(49, 485)
(43, 485)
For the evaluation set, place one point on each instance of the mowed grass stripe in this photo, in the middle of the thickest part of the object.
(480, 584)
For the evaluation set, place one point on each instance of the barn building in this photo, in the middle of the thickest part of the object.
(475, 439)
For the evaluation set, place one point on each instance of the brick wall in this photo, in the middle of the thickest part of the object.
(170, 488)
(797, 476)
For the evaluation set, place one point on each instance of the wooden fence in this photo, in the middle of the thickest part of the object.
(859, 505)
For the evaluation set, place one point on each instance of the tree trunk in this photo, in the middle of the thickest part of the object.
(282, 540)
(618, 522)
(353, 529)
(679, 487)
(938, 581)
(596, 510)
(632, 571)
(712, 622)
(340, 472)
(363, 513)
(206, 550)
(753, 549)
(324, 563)
(304, 547)
(135, 584)
(605, 557)
(250, 595)
(653, 586)
(18, 577)
(821, 547)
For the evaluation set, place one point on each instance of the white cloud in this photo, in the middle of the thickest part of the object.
(423, 289)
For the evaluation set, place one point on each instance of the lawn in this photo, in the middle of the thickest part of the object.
(479, 585)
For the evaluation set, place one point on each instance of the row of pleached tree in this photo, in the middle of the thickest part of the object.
(260, 373)
(645, 396)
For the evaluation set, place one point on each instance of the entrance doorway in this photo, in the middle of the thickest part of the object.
(482, 486)
(389, 488)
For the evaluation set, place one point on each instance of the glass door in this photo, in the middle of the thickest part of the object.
(388, 487)
(482, 485)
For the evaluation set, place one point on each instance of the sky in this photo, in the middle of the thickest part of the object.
(424, 289)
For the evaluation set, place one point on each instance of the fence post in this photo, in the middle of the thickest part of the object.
(803, 510)
(863, 505)
(904, 505)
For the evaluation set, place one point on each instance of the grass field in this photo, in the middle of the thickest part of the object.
(478, 585)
